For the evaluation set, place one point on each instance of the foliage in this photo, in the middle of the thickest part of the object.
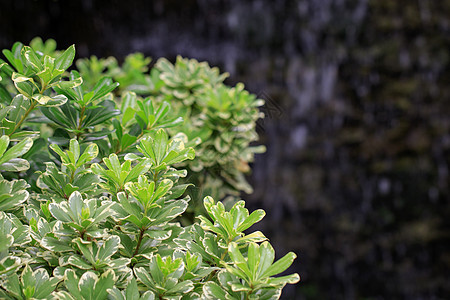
(93, 185)
(218, 120)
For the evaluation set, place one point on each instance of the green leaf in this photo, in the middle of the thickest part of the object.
(256, 236)
(86, 285)
(74, 150)
(32, 59)
(127, 140)
(142, 167)
(79, 263)
(55, 101)
(64, 115)
(60, 212)
(280, 265)
(159, 234)
(71, 283)
(253, 258)
(15, 165)
(160, 145)
(254, 217)
(267, 255)
(12, 194)
(13, 56)
(9, 263)
(89, 154)
(5, 110)
(182, 288)
(109, 247)
(4, 142)
(25, 85)
(105, 282)
(282, 280)
(70, 84)
(132, 291)
(27, 277)
(47, 47)
(44, 284)
(65, 60)
(238, 259)
(17, 150)
(144, 276)
(9, 160)
(105, 111)
(20, 135)
(103, 87)
(56, 245)
(130, 208)
(149, 295)
(116, 294)
(12, 285)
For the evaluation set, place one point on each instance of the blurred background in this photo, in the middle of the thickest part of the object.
(355, 179)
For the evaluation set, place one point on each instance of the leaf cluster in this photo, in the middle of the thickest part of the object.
(93, 185)
(219, 121)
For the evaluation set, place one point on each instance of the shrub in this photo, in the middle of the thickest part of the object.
(218, 120)
(93, 183)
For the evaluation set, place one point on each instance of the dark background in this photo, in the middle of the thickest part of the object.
(355, 179)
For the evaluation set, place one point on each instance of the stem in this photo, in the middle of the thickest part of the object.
(32, 106)
(44, 87)
(224, 254)
(155, 176)
(249, 293)
(141, 236)
(72, 176)
(140, 134)
(83, 109)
